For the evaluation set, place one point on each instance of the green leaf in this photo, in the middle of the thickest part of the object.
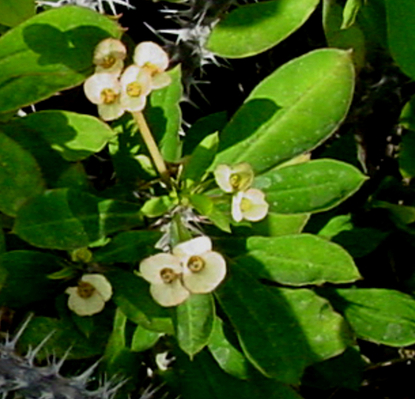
(226, 355)
(206, 207)
(144, 339)
(344, 33)
(74, 136)
(201, 378)
(201, 158)
(65, 336)
(157, 206)
(194, 323)
(378, 315)
(131, 294)
(312, 186)
(326, 332)
(407, 145)
(358, 241)
(280, 225)
(20, 177)
(300, 259)
(345, 370)
(70, 219)
(268, 331)
(254, 28)
(116, 342)
(13, 12)
(24, 277)
(202, 128)
(401, 33)
(350, 12)
(285, 116)
(128, 247)
(48, 53)
(164, 116)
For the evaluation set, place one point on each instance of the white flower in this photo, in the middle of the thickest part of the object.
(203, 269)
(163, 272)
(104, 90)
(135, 86)
(109, 56)
(90, 295)
(249, 205)
(234, 178)
(152, 58)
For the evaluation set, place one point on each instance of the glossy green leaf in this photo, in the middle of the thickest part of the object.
(13, 12)
(201, 158)
(350, 12)
(378, 315)
(163, 114)
(326, 332)
(194, 322)
(285, 116)
(341, 31)
(128, 247)
(206, 207)
(24, 277)
(131, 294)
(50, 52)
(400, 17)
(268, 330)
(116, 342)
(74, 136)
(358, 241)
(20, 177)
(300, 259)
(226, 355)
(201, 378)
(144, 339)
(157, 206)
(254, 28)
(276, 224)
(312, 186)
(70, 219)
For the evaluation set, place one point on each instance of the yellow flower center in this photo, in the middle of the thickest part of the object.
(246, 205)
(134, 89)
(195, 264)
(85, 290)
(235, 180)
(168, 275)
(108, 96)
(108, 61)
(151, 68)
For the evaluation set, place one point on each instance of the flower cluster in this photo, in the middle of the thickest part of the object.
(192, 267)
(247, 203)
(116, 91)
(90, 295)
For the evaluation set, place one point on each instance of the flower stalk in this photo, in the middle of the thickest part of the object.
(151, 146)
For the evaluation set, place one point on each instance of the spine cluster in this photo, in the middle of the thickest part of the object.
(21, 378)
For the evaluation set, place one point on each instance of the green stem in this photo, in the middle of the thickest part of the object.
(151, 146)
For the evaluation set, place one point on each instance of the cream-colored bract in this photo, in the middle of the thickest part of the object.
(135, 87)
(91, 301)
(104, 89)
(234, 178)
(109, 56)
(163, 272)
(249, 205)
(203, 269)
(151, 57)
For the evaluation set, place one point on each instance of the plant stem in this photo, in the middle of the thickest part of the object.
(151, 146)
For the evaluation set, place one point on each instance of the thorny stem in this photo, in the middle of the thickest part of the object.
(151, 146)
